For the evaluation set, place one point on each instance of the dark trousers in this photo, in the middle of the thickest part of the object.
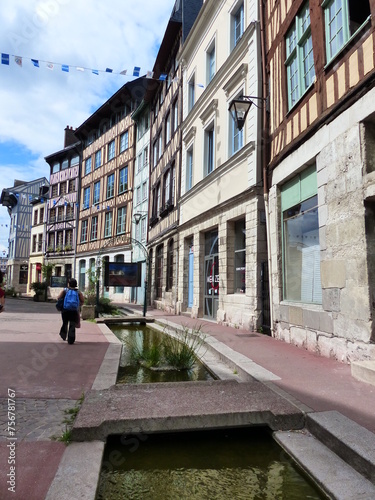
(69, 318)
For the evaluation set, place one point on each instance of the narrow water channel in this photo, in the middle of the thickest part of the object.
(210, 465)
(131, 372)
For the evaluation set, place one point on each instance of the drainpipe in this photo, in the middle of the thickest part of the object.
(264, 157)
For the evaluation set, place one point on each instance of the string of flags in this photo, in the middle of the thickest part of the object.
(19, 60)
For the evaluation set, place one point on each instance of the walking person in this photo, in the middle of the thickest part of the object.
(73, 299)
(2, 293)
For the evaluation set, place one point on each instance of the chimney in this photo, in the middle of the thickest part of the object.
(70, 138)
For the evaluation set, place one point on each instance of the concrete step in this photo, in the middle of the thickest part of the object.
(347, 439)
(332, 474)
(364, 371)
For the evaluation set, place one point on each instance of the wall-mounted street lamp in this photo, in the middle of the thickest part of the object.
(239, 108)
(138, 216)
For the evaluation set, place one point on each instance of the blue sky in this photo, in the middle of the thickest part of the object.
(37, 103)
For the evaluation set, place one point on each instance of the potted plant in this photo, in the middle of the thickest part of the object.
(68, 248)
(40, 290)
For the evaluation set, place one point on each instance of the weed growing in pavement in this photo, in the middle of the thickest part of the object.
(71, 415)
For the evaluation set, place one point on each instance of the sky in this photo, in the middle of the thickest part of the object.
(37, 103)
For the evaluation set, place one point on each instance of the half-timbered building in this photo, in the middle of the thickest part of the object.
(17, 200)
(62, 207)
(320, 69)
(106, 187)
(165, 156)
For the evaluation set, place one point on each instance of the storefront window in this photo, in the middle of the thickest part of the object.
(301, 248)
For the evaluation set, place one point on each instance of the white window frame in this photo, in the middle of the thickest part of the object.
(299, 61)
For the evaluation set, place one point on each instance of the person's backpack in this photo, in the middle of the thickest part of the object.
(71, 300)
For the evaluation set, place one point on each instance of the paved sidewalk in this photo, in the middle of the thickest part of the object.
(48, 376)
(44, 376)
(320, 383)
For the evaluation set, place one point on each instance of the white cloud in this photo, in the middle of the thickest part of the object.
(36, 103)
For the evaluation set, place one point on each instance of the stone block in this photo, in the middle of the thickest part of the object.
(326, 322)
(333, 273)
(331, 299)
(350, 329)
(325, 346)
(284, 313)
(298, 337)
(296, 315)
(311, 341)
(311, 319)
(354, 302)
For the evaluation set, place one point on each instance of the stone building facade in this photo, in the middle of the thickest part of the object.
(222, 238)
(321, 182)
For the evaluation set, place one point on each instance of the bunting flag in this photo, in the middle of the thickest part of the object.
(5, 59)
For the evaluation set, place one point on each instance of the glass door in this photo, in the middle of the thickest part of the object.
(211, 275)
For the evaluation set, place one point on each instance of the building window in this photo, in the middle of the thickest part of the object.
(123, 180)
(108, 225)
(159, 272)
(124, 141)
(167, 128)
(299, 56)
(55, 190)
(111, 150)
(96, 193)
(82, 274)
(239, 257)
(74, 161)
(41, 215)
(175, 116)
(55, 168)
(167, 188)
(144, 191)
(343, 18)
(145, 157)
(235, 135)
(111, 186)
(143, 228)
(34, 243)
(237, 25)
(60, 214)
(121, 220)
(170, 265)
(98, 158)
(94, 228)
(301, 248)
(209, 150)
(35, 217)
(69, 237)
(84, 230)
(86, 197)
(88, 166)
(211, 62)
(155, 153)
(62, 188)
(72, 186)
(191, 93)
(70, 212)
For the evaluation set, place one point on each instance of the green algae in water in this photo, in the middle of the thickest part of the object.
(227, 464)
(131, 372)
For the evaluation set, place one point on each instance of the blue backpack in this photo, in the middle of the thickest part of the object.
(71, 300)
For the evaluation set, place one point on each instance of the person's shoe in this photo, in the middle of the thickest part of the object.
(63, 336)
(71, 340)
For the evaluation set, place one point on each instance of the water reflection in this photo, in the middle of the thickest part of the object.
(239, 464)
(130, 372)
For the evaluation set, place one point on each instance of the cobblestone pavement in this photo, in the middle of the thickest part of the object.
(36, 419)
